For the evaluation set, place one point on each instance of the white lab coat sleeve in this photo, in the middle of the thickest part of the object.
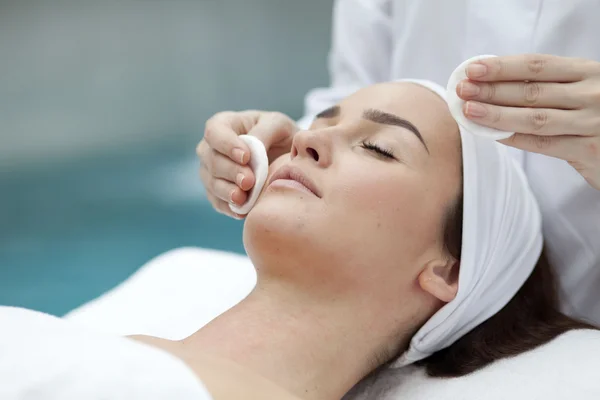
(360, 53)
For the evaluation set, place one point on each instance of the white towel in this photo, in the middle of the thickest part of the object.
(565, 368)
(46, 358)
(172, 296)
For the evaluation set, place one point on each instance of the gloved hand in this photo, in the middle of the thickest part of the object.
(224, 157)
(553, 103)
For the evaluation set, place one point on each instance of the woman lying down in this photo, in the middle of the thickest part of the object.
(385, 238)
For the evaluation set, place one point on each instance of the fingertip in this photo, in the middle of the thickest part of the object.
(474, 110)
(466, 89)
(476, 70)
(243, 154)
(245, 157)
(242, 144)
(238, 196)
(240, 155)
(465, 109)
(248, 181)
(239, 217)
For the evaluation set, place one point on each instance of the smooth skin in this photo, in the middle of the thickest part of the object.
(553, 103)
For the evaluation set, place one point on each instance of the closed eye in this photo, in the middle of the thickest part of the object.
(379, 150)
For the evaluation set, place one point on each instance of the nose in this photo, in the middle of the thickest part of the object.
(313, 145)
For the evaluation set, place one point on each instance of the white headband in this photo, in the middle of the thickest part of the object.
(501, 242)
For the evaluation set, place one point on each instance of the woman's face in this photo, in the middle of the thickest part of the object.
(379, 174)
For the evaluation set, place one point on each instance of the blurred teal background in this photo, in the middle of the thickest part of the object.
(101, 106)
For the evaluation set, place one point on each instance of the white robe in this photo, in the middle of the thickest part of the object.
(46, 358)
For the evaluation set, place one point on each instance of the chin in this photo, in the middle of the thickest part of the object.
(280, 228)
(275, 219)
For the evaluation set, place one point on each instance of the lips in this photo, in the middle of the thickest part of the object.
(295, 174)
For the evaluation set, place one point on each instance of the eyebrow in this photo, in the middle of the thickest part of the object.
(330, 112)
(381, 117)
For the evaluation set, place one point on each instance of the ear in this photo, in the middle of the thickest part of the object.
(440, 279)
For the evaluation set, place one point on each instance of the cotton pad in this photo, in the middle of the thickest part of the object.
(456, 104)
(259, 164)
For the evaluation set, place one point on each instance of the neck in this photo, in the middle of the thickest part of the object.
(314, 348)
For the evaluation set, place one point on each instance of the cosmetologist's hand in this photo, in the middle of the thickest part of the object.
(553, 103)
(224, 157)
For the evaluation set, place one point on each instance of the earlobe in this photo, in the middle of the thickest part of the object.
(441, 281)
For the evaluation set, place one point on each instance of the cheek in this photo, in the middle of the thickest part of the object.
(392, 206)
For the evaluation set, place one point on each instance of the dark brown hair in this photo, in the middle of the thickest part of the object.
(531, 319)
